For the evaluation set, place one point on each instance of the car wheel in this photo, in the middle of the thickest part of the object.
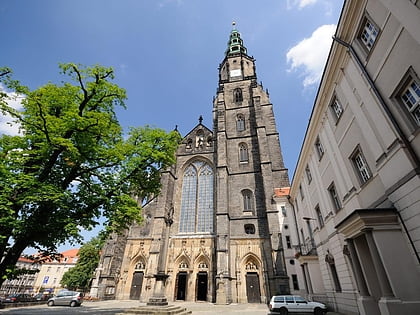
(50, 303)
(318, 311)
(283, 311)
(73, 304)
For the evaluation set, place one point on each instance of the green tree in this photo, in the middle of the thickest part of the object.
(71, 164)
(78, 277)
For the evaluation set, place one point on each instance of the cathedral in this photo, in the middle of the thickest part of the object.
(214, 229)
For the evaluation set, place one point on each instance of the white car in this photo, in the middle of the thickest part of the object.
(285, 304)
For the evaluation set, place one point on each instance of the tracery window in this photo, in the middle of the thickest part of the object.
(248, 200)
(243, 153)
(237, 95)
(197, 199)
(240, 122)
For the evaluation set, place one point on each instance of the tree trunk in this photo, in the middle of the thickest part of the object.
(11, 257)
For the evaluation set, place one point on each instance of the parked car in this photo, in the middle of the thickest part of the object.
(18, 297)
(71, 298)
(285, 304)
(42, 296)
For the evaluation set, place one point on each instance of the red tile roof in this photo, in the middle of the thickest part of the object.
(279, 192)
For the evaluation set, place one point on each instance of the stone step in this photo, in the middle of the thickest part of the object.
(157, 310)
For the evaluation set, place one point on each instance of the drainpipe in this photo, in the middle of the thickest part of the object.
(391, 117)
(394, 122)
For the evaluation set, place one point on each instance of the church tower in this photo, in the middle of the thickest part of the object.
(214, 228)
(249, 165)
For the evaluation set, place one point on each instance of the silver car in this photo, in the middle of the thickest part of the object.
(285, 304)
(64, 297)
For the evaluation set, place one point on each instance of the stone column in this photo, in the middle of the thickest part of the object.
(357, 268)
(379, 267)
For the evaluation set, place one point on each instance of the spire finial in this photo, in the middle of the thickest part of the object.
(200, 119)
(233, 25)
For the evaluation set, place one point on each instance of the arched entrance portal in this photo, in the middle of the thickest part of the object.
(201, 287)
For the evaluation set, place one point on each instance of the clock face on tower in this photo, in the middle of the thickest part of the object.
(235, 73)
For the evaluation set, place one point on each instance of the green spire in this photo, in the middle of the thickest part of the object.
(235, 43)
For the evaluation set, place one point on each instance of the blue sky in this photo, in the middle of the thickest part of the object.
(166, 53)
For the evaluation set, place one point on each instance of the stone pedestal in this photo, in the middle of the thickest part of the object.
(159, 298)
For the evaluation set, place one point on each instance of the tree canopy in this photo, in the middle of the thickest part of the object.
(78, 277)
(71, 164)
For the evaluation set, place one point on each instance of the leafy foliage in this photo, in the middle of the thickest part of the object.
(71, 164)
(78, 277)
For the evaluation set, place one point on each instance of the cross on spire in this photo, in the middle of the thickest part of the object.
(200, 119)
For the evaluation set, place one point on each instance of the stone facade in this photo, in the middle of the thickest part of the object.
(214, 228)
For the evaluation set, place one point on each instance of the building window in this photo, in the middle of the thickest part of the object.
(197, 199)
(301, 192)
(295, 282)
(319, 148)
(337, 109)
(334, 197)
(410, 97)
(283, 211)
(248, 200)
(243, 153)
(319, 217)
(361, 166)
(329, 259)
(308, 174)
(288, 243)
(237, 95)
(249, 228)
(368, 34)
(240, 122)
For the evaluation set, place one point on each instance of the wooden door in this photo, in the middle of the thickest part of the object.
(201, 286)
(136, 285)
(253, 288)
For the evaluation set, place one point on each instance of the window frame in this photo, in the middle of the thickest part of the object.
(308, 174)
(364, 174)
(240, 123)
(319, 217)
(407, 114)
(335, 199)
(247, 200)
(238, 96)
(319, 148)
(367, 44)
(243, 153)
(337, 113)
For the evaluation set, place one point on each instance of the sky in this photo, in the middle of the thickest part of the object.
(166, 54)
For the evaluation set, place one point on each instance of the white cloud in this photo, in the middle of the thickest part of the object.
(300, 3)
(310, 54)
(7, 126)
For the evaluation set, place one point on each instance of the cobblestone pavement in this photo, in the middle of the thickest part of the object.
(116, 306)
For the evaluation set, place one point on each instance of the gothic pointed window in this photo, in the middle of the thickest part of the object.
(197, 199)
(237, 95)
(240, 122)
(243, 153)
(248, 200)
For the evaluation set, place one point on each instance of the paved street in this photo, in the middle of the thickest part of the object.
(116, 306)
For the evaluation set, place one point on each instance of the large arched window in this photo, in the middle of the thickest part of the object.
(243, 153)
(237, 95)
(197, 199)
(248, 200)
(240, 122)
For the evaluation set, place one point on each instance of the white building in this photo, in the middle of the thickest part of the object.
(356, 189)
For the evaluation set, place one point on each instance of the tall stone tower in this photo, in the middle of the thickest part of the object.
(214, 229)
